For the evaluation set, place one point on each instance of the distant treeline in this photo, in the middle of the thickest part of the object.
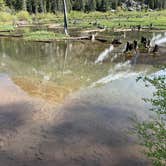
(34, 6)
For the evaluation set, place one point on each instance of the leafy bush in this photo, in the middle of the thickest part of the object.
(23, 16)
(45, 16)
(153, 132)
(6, 17)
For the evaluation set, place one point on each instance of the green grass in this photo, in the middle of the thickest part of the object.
(92, 20)
(119, 19)
(43, 36)
(6, 28)
(108, 19)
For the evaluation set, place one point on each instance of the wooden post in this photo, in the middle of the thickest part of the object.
(65, 17)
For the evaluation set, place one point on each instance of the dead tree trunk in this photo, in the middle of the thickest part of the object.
(65, 17)
(36, 7)
(42, 5)
(24, 5)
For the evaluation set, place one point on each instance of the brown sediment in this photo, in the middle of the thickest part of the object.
(78, 133)
(46, 90)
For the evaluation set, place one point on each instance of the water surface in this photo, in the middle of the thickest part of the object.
(94, 125)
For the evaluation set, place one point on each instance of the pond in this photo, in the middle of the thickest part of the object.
(73, 64)
(96, 86)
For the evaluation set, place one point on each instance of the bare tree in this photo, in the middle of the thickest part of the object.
(65, 17)
(36, 4)
(24, 5)
(42, 6)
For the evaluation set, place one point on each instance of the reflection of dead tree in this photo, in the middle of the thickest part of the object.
(66, 55)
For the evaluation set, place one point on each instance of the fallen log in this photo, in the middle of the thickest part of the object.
(93, 31)
(80, 38)
(101, 39)
(11, 35)
(97, 38)
(2, 31)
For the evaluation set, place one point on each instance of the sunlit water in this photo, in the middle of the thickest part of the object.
(71, 65)
(102, 99)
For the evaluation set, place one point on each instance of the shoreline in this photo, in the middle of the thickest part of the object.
(42, 134)
(87, 33)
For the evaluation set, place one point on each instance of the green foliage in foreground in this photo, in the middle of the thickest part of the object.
(153, 132)
(43, 36)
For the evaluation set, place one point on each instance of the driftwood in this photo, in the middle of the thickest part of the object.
(90, 37)
(123, 30)
(53, 26)
(21, 23)
(67, 38)
(116, 42)
(93, 31)
(104, 38)
(5, 31)
(101, 39)
(80, 38)
(42, 41)
(11, 35)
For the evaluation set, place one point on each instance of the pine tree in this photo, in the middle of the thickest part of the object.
(104, 5)
(34, 6)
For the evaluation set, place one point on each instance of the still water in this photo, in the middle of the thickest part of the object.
(40, 68)
(93, 126)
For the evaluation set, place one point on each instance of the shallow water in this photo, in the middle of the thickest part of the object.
(94, 124)
(72, 63)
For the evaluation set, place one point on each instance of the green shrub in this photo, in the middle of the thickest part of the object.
(45, 16)
(153, 132)
(23, 16)
(6, 17)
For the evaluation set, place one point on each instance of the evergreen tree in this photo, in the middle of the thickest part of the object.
(34, 6)
(104, 5)
(90, 5)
